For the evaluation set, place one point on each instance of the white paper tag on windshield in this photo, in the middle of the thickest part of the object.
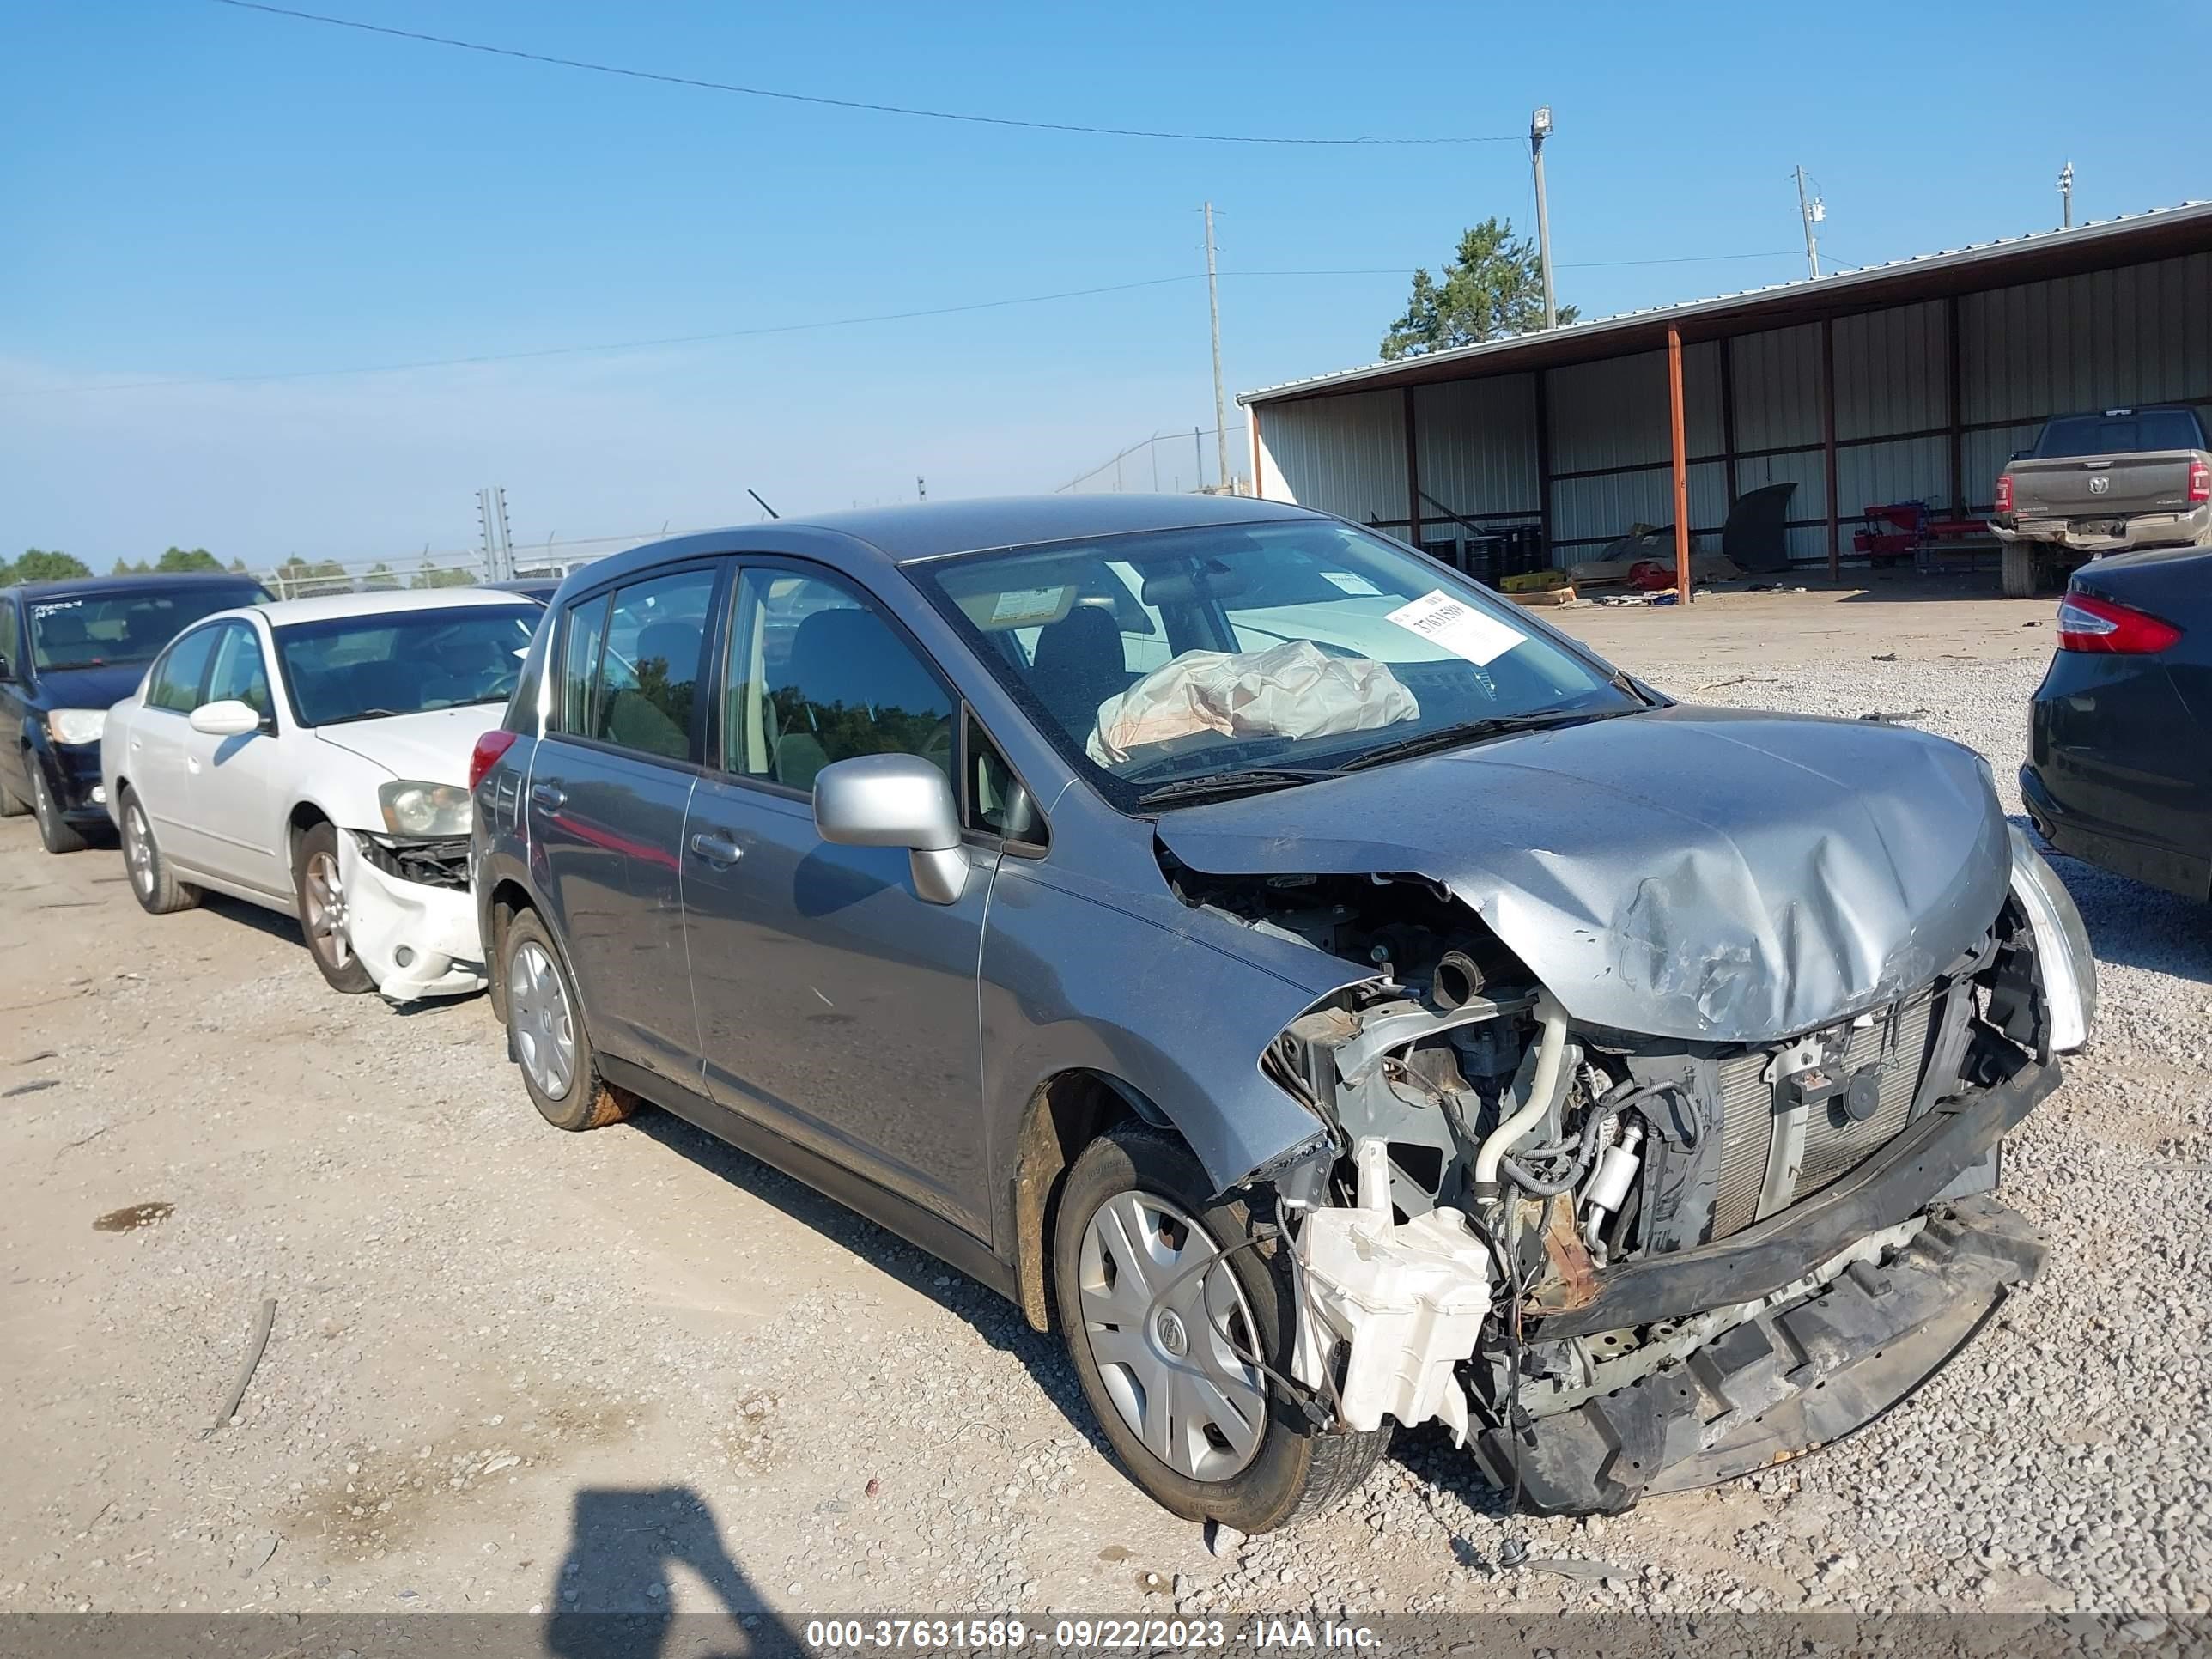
(1456, 627)
(1346, 581)
(1020, 607)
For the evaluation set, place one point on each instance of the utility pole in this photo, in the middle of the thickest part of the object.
(1197, 460)
(1220, 396)
(1540, 129)
(920, 490)
(1812, 213)
(2066, 196)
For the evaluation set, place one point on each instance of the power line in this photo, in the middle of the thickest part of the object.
(698, 84)
(621, 345)
(483, 359)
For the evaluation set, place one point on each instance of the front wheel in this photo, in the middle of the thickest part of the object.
(55, 834)
(322, 896)
(1167, 1303)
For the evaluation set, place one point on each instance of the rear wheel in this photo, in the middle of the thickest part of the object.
(2024, 569)
(321, 885)
(1164, 1337)
(545, 1033)
(55, 832)
(157, 892)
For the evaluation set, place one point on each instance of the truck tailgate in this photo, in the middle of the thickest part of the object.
(2097, 486)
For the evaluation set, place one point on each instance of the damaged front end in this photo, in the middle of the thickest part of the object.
(1613, 1263)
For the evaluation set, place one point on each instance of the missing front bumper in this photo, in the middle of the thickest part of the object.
(1788, 1382)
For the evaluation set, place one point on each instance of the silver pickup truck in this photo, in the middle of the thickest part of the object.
(2110, 482)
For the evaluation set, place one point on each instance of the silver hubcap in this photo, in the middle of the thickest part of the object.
(537, 1014)
(138, 850)
(327, 911)
(1166, 1336)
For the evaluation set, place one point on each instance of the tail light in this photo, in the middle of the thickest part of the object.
(2087, 623)
(2004, 492)
(489, 747)
(2200, 482)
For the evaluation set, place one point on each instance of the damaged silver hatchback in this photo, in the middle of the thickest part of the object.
(1330, 996)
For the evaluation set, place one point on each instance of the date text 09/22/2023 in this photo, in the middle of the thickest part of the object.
(1081, 1635)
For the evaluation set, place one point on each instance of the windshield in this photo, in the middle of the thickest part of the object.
(102, 629)
(403, 662)
(1156, 660)
(2122, 432)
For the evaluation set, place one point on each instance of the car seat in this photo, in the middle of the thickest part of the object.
(1078, 663)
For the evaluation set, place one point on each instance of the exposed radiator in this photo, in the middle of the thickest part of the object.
(1834, 1144)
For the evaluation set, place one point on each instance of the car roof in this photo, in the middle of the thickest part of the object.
(383, 601)
(82, 587)
(888, 536)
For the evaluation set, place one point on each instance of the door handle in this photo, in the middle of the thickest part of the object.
(192, 763)
(716, 848)
(545, 795)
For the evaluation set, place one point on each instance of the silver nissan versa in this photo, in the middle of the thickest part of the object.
(1329, 995)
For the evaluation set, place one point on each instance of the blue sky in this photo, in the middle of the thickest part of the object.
(190, 190)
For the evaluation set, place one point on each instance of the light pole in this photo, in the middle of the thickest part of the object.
(1540, 129)
(2066, 196)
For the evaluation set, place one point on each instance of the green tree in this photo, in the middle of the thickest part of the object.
(124, 568)
(430, 576)
(196, 558)
(380, 576)
(297, 578)
(1493, 288)
(37, 565)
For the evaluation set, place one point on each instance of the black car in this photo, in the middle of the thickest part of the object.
(2120, 772)
(540, 588)
(69, 649)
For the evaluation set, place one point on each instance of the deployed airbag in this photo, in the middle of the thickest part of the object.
(1294, 690)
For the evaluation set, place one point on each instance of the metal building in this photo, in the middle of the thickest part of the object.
(1914, 380)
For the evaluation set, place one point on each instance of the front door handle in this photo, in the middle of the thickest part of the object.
(545, 795)
(716, 849)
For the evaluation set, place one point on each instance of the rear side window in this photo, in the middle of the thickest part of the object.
(177, 679)
(630, 665)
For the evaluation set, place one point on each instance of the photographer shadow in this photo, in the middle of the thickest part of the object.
(614, 1598)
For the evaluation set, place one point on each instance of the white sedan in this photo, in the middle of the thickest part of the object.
(313, 755)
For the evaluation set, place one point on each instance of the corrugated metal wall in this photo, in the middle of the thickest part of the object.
(1476, 442)
(1343, 454)
(2140, 334)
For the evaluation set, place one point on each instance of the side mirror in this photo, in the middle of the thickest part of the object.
(895, 801)
(228, 719)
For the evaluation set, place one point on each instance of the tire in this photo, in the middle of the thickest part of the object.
(2021, 569)
(1129, 1194)
(158, 892)
(546, 1034)
(55, 834)
(320, 892)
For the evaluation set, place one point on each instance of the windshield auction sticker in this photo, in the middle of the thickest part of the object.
(1456, 627)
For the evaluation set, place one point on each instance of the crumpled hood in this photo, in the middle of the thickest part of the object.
(1705, 874)
(89, 688)
(432, 747)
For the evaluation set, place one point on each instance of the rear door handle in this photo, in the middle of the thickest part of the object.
(545, 795)
(716, 848)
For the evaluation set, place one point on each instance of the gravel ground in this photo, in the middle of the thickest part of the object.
(518, 1370)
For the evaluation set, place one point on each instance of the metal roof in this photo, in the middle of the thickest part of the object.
(2129, 238)
(900, 535)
